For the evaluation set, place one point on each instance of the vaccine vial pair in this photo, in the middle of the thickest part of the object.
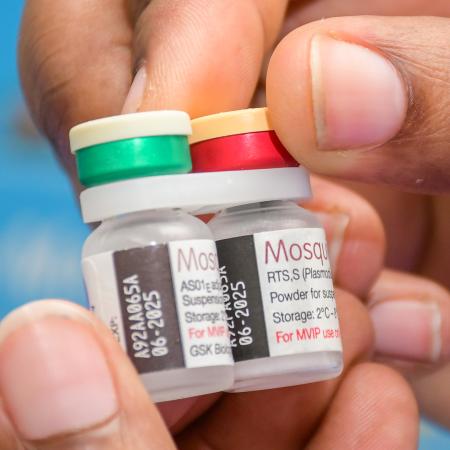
(245, 302)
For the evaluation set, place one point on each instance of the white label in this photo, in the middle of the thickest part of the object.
(297, 291)
(199, 298)
(163, 303)
(99, 277)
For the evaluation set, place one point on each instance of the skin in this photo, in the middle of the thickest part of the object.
(368, 398)
(117, 38)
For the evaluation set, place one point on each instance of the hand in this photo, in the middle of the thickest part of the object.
(77, 61)
(66, 384)
(374, 108)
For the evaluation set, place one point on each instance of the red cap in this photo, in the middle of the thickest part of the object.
(238, 140)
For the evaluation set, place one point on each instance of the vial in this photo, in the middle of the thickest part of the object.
(150, 268)
(273, 257)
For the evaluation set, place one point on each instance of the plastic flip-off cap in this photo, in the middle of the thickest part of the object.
(132, 146)
(237, 140)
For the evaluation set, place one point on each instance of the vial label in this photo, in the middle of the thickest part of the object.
(278, 293)
(164, 304)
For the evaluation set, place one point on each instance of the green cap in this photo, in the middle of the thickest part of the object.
(131, 146)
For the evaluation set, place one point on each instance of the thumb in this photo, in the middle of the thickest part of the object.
(367, 99)
(66, 384)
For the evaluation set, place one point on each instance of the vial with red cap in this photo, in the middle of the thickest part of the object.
(273, 257)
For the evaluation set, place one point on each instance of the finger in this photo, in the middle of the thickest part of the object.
(177, 414)
(8, 438)
(301, 13)
(366, 98)
(406, 218)
(280, 418)
(355, 235)
(66, 384)
(436, 260)
(411, 317)
(433, 394)
(203, 56)
(373, 408)
(75, 63)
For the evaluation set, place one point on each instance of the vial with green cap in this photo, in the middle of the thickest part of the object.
(150, 268)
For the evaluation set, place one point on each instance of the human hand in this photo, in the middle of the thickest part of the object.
(375, 109)
(66, 384)
(219, 49)
(77, 62)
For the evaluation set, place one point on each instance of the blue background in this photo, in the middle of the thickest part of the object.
(40, 228)
(41, 232)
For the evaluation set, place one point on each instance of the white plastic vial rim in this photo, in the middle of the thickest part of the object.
(196, 193)
(128, 126)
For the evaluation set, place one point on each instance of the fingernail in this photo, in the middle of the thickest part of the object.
(54, 378)
(335, 225)
(407, 330)
(359, 97)
(136, 92)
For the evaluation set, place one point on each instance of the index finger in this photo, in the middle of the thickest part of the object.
(203, 56)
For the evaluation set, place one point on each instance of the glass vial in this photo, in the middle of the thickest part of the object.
(288, 345)
(273, 257)
(150, 269)
(156, 253)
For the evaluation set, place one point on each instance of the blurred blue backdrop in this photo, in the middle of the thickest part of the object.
(40, 228)
(41, 232)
